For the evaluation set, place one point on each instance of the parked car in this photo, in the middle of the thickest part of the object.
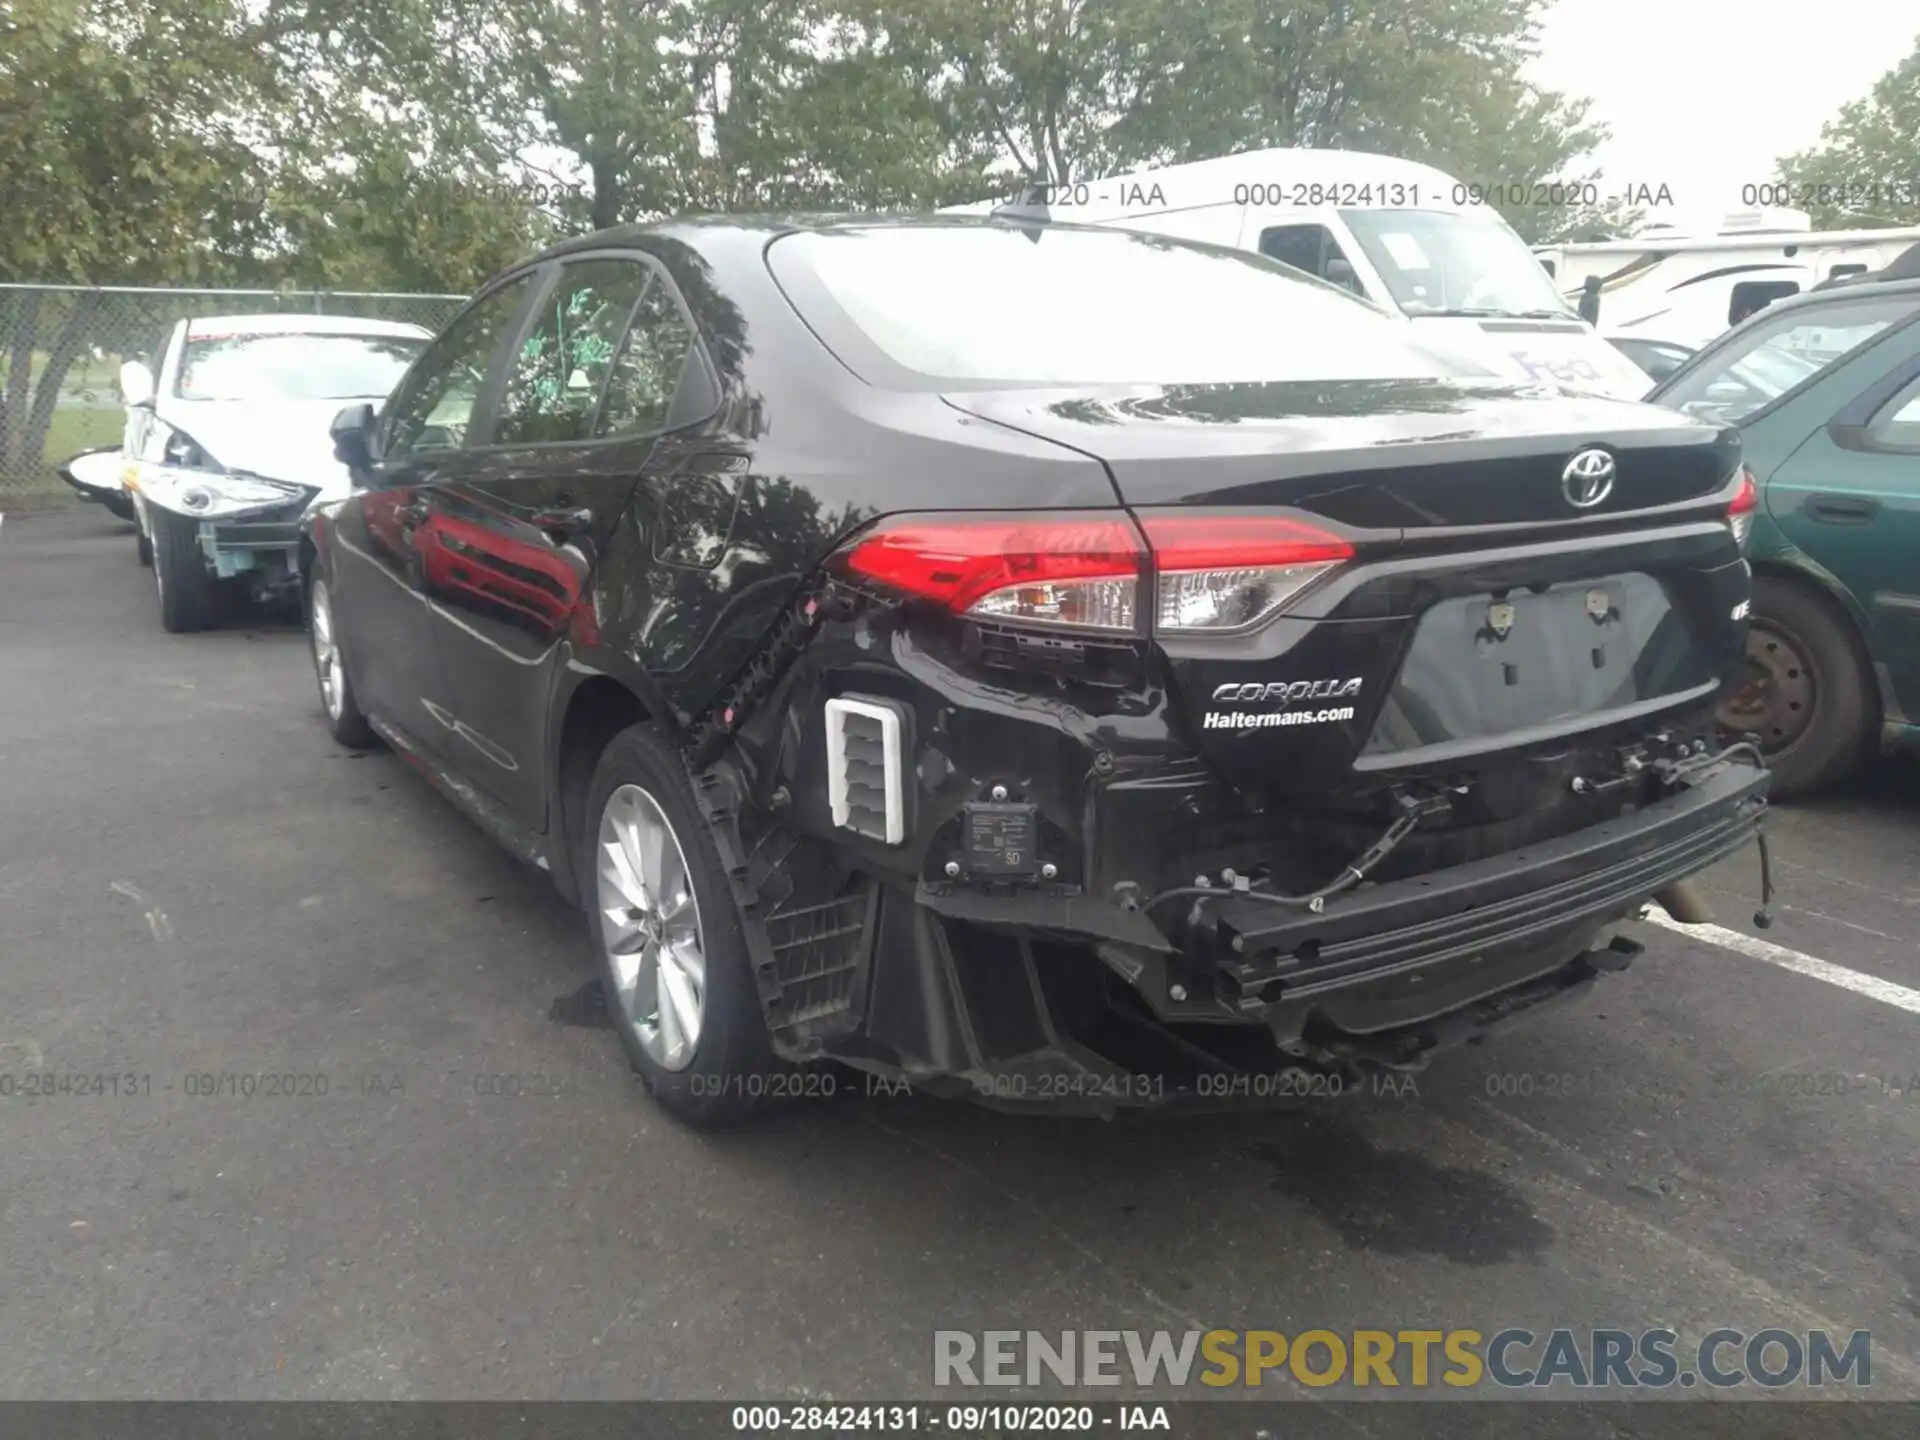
(228, 445)
(1825, 392)
(1039, 686)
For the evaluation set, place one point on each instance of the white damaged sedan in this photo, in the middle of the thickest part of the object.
(229, 445)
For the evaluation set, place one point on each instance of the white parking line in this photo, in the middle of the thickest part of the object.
(1874, 988)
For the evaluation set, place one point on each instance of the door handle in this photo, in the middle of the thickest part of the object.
(1842, 509)
(567, 522)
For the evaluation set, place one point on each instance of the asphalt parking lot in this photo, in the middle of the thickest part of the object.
(196, 883)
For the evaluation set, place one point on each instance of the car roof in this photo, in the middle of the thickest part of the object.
(1849, 288)
(203, 326)
(694, 229)
(701, 231)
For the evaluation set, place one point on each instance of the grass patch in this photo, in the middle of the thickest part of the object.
(86, 374)
(74, 428)
(81, 427)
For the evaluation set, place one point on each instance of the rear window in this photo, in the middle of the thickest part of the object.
(1756, 368)
(995, 304)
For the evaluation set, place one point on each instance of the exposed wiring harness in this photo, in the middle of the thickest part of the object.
(1412, 813)
(1670, 772)
(1678, 772)
(1681, 772)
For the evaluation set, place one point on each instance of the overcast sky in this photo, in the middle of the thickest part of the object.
(1704, 95)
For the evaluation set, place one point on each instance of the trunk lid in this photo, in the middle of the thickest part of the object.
(1500, 595)
(1378, 455)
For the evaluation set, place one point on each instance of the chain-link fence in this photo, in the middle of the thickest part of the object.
(61, 349)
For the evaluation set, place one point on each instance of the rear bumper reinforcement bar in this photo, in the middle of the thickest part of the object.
(1493, 907)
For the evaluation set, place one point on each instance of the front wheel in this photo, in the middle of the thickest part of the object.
(344, 718)
(674, 959)
(180, 574)
(1806, 691)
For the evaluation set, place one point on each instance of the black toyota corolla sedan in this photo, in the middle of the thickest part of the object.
(1039, 663)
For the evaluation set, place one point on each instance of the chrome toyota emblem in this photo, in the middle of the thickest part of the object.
(1588, 479)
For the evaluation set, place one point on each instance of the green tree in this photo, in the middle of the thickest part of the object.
(1073, 89)
(122, 136)
(813, 108)
(1037, 88)
(1440, 83)
(646, 108)
(209, 142)
(1868, 157)
(123, 158)
(381, 186)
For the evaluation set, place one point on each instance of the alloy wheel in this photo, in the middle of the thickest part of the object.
(650, 928)
(326, 652)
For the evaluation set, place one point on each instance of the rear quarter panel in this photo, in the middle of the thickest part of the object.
(819, 453)
(1782, 533)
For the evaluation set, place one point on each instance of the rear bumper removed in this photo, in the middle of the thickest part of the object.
(1075, 1003)
(1372, 958)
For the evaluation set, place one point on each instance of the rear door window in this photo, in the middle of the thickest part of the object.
(645, 374)
(1897, 425)
(553, 384)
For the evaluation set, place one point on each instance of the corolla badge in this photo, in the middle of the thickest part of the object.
(1283, 692)
(1588, 478)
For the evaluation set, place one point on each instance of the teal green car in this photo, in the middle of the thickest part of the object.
(1825, 391)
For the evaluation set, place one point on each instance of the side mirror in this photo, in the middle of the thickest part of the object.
(136, 385)
(352, 432)
(1340, 272)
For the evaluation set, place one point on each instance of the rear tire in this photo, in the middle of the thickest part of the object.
(668, 933)
(1808, 692)
(344, 718)
(142, 547)
(180, 574)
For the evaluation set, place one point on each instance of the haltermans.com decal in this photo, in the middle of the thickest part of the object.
(1283, 693)
(1242, 720)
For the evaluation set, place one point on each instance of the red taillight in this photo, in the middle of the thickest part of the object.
(1206, 542)
(1748, 498)
(1740, 512)
(1055, 569)
(1228, 572)
(1215, 572)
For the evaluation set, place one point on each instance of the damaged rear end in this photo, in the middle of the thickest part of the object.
(1357, 724)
